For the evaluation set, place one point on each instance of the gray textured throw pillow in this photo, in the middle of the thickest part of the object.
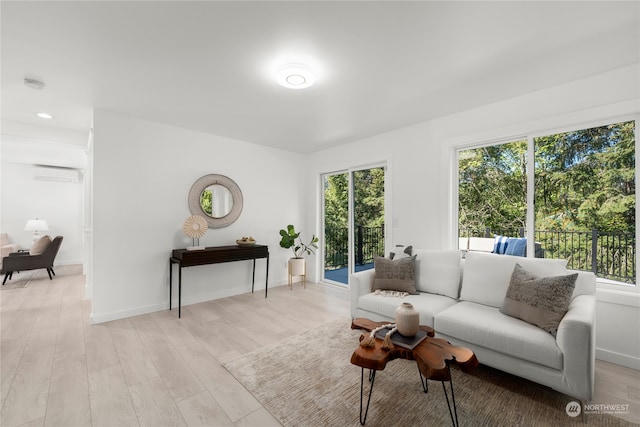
(395, 275)
(541, 301)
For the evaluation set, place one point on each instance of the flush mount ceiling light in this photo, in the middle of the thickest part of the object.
(44, 115)
(295, 76)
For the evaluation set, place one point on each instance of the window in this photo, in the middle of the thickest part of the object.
(583, 188)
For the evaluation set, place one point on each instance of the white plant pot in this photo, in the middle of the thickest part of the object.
(297, 267)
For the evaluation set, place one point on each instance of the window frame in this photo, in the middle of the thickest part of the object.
(529, 136)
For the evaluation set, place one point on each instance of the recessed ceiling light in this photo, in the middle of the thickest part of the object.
(44, 115)
(295, 76)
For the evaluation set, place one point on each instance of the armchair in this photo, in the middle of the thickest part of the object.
(22, 261)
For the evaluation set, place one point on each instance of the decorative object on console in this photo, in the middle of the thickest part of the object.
(36, 225)
(195, 227)
(407, 319)
(246, 241)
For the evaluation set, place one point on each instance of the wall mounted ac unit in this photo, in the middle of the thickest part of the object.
(56, 173)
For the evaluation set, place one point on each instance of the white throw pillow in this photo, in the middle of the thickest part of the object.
(438, 271)
(487, 276)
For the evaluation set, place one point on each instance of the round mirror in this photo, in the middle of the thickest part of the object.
(216, 201)
(217, 198)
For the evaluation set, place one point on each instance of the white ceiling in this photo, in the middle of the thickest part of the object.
(208, 65)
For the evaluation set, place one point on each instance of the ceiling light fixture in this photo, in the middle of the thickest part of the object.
(295, 76)
(44, 115)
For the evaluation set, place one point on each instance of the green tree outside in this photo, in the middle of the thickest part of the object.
(584, 181)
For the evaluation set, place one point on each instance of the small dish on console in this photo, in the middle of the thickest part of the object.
(246, 241)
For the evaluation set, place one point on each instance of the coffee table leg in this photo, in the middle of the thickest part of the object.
(453, 399)
(423, 381)
(372, 378)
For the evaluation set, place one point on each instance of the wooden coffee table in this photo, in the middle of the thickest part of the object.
(433, 357)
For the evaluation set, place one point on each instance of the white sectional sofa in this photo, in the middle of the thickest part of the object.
(461, 300)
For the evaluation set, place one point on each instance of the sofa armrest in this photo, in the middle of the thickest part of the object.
(576, 339)
(360, 283)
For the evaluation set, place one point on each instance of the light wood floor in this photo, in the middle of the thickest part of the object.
(57, 369)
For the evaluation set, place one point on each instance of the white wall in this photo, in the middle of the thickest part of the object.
(24, 197)
(142, 173)
(420, 159)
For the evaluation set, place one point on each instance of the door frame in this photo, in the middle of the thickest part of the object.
(350, 220)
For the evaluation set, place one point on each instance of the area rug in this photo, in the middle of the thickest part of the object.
(308, 380)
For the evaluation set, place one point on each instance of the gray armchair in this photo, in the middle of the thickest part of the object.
(23, 261)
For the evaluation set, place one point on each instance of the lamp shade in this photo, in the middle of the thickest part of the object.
(36, 225)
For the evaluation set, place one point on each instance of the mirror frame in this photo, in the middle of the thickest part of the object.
(215, 179)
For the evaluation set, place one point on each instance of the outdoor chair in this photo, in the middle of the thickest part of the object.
(23, 261)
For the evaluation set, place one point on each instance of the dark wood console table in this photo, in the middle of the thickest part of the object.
(215, 255)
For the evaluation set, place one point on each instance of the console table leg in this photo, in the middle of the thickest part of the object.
(453, 399)
(372, 378)
(179, 291)
(253, 275)
(170, 280)
(266, 280)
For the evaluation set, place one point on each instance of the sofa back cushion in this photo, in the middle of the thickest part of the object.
(585, 284)
(438, 271)
(486, 276)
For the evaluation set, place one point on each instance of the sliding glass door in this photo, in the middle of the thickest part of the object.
(354, 221)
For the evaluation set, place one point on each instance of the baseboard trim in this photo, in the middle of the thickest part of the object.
(618, 358)
(137, 311)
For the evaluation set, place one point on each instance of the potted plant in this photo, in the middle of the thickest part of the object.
(297, 266)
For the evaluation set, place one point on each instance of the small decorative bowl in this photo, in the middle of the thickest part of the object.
(246, 242)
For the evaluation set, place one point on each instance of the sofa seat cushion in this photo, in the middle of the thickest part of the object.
(428, 305)
(487, 327)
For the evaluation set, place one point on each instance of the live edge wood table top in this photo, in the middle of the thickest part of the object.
(216, 255)
(433, 356)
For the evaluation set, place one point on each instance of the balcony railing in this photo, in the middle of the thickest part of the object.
(608, 255)
(368, 243)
